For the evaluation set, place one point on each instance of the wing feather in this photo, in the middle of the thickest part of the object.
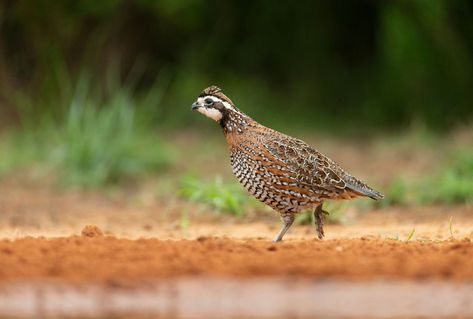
(308, 166)
(315, 170)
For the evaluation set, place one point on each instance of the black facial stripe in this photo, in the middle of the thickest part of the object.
(225, 113)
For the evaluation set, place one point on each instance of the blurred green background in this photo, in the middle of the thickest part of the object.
(93, 89)
(329, 64)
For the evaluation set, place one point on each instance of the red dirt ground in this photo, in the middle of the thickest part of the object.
(106, 259)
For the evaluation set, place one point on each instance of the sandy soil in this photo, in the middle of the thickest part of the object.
(98, 258)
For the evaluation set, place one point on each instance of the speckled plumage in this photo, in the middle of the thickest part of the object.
(281, 171)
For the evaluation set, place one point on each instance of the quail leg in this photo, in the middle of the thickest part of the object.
(319, 221)
(287, 223)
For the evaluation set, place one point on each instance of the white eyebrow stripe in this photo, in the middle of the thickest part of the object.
(213, 98)
(216, 99)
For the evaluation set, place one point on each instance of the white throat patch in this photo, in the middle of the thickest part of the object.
(214, 114)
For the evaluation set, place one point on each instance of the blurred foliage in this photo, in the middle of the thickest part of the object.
(351, 65)
(103, 144)
(102, 139)
(396, 194)
(17, 151)
(224, 197)
(452, 184)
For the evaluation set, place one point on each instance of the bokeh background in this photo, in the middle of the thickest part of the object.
(97, 93)
(378, 64)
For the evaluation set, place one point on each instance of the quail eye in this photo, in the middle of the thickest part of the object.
(208, 101)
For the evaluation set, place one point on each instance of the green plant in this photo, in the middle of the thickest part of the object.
(100, 138)
(396, 194)
(16, 151)
(184, 221)
(101, 143)
(453, 184)
(224, 197)
(410, 236)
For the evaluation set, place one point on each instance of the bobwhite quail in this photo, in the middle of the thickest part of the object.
(281, 171)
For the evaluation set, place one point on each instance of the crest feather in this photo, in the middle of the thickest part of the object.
(217, 92)
(211, 90)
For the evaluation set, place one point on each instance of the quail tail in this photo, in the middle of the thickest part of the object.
(363, 189)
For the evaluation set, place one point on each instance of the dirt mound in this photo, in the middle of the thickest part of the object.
(91, 231)
(113, 260)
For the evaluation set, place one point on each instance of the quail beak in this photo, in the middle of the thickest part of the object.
(195, 106)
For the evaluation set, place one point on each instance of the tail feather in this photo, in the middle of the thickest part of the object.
(363, 189)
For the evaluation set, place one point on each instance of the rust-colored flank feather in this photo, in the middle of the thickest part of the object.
(281, 171)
